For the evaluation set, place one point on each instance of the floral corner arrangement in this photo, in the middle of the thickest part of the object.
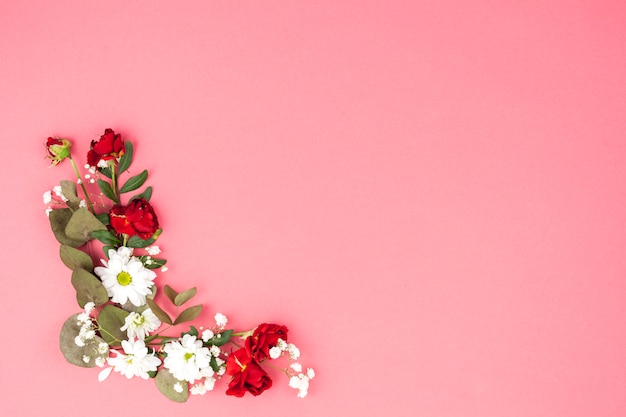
(120, 327)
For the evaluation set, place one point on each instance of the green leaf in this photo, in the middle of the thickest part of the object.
(134, 182)
(188, 314)
(158, 311)
(58, 222)
(106, 237)
(184, 296)
(137, 242)
(170, 293)
(147, 194)
(75, 354)
(106, 172)
(152, 263)
(165, 382)
(221, 338)
(126, 159)
(106, 189)
(75, 258)
(106, 250)
(82, 224)
(111, 319)
(104, 218)
(88, 288)
(68, 189)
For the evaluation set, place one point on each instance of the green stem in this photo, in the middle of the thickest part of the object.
(89, 205)
(116, 189)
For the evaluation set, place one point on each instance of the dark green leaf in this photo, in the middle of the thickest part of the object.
(106, 172)
(106, 237)
(75, 354)
(137, 242)
(88, 288)
(184, 296)
(188, 314)
(158, 311)
(152, 263)
(111, 319)
(75, 259)
(165, 382)
(170, 293)
(58, 222)
(106, 189)
(104, 218)
(147, 194)
(135, 182)
(126, 159)
(221, 338)
(82, 224)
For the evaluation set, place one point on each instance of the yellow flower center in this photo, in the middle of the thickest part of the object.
(124, 278)
(188, 356)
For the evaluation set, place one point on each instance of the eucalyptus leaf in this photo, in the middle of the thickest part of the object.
(106, 189)
(111, 319)
(158, 311)
(58, 222)
(126, 159)
(82, 224)
(147, 194)
(68, 189)
(184, 296)
(75, 258)
(165, 382)
(88, 288)
(83, 356)
(170, 293)
(135, 182)
(188, 314)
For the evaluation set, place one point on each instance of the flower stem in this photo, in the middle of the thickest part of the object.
(82, 186)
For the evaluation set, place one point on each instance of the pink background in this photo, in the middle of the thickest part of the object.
(430, 194)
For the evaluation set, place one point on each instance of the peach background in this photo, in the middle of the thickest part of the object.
(430, 194)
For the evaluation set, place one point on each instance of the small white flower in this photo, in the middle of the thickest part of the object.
(153, 250)
(48, 211)
(221, 320)
(178, 388)
(310, 373)
(282, 344)
(89, 307)
(125, 278)
(187, 359)
(78, 181)
(103, 347)
(47, 197)
(294, 352)
(58, 191)
(275, 352)
(135, 361)
(139, 325)
(100, 362)
(82, 203)
(206, 335)
(86, 358)
(215, 351)
(164, 268)
(301, 383)
(79, 341)
(296, 367)
(102, 164)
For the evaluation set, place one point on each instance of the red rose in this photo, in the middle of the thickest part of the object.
(137, 218)
(264, 338)
(247, 375)
(58, 149)
(110, 146)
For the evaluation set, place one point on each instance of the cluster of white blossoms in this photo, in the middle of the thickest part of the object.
(136, 360)
(301, 380)
(187, 360)
(87, 330)
(125, 278)
(58, 198)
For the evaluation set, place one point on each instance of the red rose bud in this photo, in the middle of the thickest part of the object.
(109, 146)
(58, 149)
(137, 218)
(264, 338)
(247, 375)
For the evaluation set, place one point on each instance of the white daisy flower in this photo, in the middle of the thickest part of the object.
(139, 325)
(125, 278)
(135, 361)
(187, 359)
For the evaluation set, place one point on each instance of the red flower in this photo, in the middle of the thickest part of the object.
(110, 146)
(58, 149)
(137, 218)
(264, 338)
(247, 375)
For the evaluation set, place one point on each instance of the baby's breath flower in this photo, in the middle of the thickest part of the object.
(178, 388)
(221, 320)
(47, 197)
(153, 250)
(275, 352)
(206, 335)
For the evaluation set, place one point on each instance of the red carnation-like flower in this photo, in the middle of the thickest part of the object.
(264, 338)
(247, 375)
(109, 146)
(137, 218)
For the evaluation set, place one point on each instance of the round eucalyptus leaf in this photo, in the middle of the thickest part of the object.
(83, 356)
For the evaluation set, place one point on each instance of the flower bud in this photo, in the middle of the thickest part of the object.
(58, 149)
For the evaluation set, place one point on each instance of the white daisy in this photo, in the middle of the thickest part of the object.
(125, 278)
(135, 361)
(139, 325)
(187, 359)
